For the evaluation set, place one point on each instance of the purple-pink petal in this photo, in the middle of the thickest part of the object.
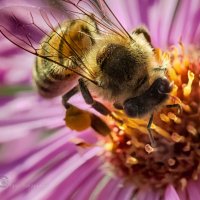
(37, 152)
(170, 193)
(193, 190)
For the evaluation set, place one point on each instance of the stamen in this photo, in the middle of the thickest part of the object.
(186, 61)
(177, 138)
(164, 118)
(176, 157)
(173, 117)
(177, 65)
(131, 160)
(149, 149)
(174, 90)
(191, 129)
(162, 132)
(173, 75)
(109, 146)
(187, 88)
(186, 108)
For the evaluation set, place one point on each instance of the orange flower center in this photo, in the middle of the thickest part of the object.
(176, 158)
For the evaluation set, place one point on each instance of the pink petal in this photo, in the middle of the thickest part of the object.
(170, 193)
(193, 190)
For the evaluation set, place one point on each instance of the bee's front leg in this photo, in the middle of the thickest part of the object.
(151, 138)
(68, 95)
(99, 107)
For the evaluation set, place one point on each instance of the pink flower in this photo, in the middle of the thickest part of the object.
(43, 159)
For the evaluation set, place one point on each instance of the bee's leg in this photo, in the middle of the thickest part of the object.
(175, 106)
(99, 107)
(68, 95)
(151, 138)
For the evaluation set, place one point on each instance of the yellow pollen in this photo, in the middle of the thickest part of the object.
(131, 160)
(158, 54)
(173, 117)
(77, 119)
(177, 65)
(186, 108)
(164, 118)
(173, 75)
(136, 143)
(109, 146)
(143, 129)
(162, 132)
(186, 61)
(174, 90)
(188, 87)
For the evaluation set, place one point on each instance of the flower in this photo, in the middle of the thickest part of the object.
(176, 158)
(43, 159)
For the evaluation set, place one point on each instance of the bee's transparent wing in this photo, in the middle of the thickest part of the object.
(26, 26)
(17, 25)
(111, 17)
(106, 20)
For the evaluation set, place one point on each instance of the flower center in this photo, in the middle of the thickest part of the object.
(176, 158)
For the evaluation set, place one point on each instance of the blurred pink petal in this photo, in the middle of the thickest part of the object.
(170, 193)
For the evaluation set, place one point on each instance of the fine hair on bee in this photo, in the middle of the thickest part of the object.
(93, 54)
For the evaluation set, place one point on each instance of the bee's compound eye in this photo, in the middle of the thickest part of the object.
(164, 86)
(130, 108)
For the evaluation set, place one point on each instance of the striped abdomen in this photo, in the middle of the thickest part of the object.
(72, 39)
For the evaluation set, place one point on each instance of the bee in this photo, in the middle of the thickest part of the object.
(93, 55)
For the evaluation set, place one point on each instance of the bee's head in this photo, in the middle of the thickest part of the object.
(157, 93)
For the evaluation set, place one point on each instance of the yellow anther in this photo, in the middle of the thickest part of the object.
(191, 129)
(109, 146)
(186, 108)
(177, 138)
(164, 118)
(173, 117)
(149, 148)
(188, 87)
(177, 65)
(131, 160)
